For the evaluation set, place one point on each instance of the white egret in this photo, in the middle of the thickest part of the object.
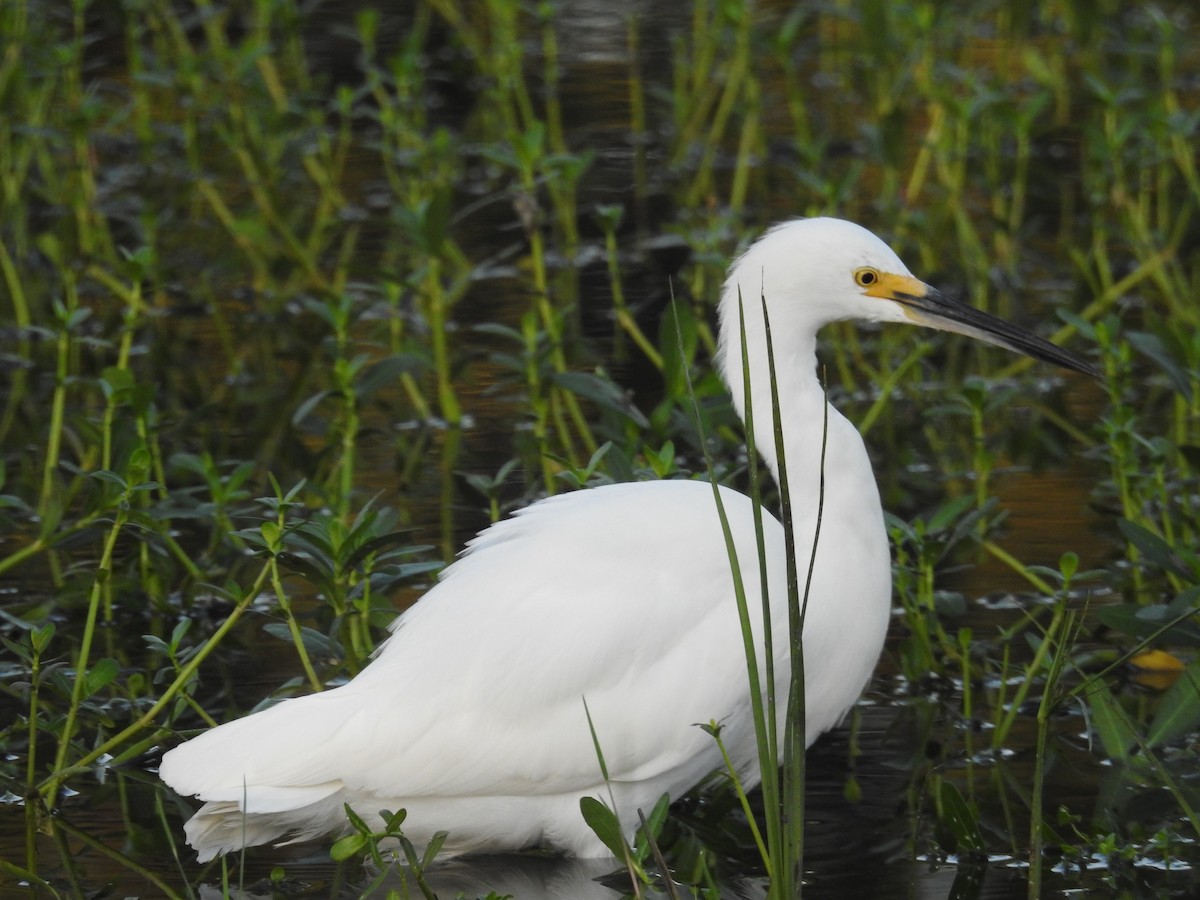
(472, 716)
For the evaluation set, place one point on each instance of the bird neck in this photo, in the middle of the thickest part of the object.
(802, 406)
(804, 417)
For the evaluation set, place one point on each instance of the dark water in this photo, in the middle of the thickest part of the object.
(881, 846)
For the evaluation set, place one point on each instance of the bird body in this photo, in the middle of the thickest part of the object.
(472, 715)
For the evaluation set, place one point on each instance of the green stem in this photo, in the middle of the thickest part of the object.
(789, 865)
(181, 680)
(715, 730)
(58, 405)
(293, 626)
(20, 313)
(31, 809)
(438, 307)
(1017, 566)
(103, 571)
(1037, 664)
(763, 712)
(1049, 702)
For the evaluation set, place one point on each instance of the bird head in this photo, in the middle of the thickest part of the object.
(815, 271)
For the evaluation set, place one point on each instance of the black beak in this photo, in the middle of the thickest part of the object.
(937, 310)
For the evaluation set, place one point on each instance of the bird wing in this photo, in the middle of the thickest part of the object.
(619, 596)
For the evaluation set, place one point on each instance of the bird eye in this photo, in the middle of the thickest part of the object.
(866, 277)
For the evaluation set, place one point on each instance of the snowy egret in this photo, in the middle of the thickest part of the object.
(472, 716)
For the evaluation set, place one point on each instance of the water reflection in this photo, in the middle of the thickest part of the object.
(881, 846)
(521, 877)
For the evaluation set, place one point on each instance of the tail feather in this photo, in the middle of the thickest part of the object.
(294, 746)
(257, 786)
(223, 826)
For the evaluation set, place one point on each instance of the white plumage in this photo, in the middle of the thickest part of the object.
(472, 715)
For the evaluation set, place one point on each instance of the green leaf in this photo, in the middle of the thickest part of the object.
(376, 544)
(304, 409)
(156, 644)
(1068, 564)
(654, 822)
(114, 381)
(100, 675)
(348, 846)
(948, 513)
(1111, 724)
(272, 532)
(677, 342)
(435, 219)
(1148, 621)
(111, 478)
(40, 637)
(18, 650)
(322, 579)
(177, 634)
(1178, 710)
(356, 820)
(602, 392)
(957, 820)
(603, 822)
(386, 372)
(1152, 346)
(315, 642)
(608, 216)
(496, 330)
(433, 848)
(1154, 548)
